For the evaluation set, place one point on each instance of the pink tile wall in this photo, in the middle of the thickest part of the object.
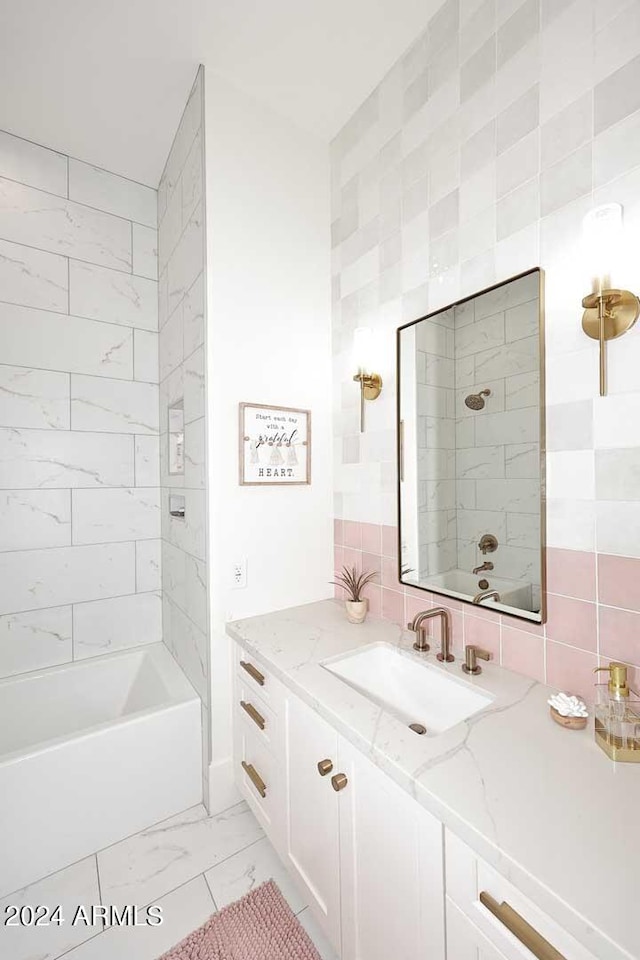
(593, 607)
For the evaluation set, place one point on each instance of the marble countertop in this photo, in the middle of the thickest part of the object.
(542, 804)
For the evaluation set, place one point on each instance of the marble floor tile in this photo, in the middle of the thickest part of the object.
(164, 866)
(151, 863)
(183, 910)
(75, 885)
(242, 873)
(312, 927)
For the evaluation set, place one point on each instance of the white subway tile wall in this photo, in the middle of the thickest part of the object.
(182, 378)
(476, 158)
(79, 438)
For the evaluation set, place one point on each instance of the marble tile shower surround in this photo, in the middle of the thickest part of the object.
(475, 159)
(181, 253)
(435, 414)
(497, 460)
(79, 437)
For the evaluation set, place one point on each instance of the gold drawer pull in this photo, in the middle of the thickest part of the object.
(255, 778)
(521, 930)
(253, 672)
(253, 713)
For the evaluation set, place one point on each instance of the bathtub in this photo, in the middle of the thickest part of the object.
(91, 752)
(460, 583)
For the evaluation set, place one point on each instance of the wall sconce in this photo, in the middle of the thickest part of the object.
(370, 383)
(609, 312)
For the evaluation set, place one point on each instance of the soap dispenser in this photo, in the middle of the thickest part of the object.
(617, 720)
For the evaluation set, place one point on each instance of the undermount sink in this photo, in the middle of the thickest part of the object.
(417, 693)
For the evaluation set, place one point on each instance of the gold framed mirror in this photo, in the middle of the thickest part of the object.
(471, 449)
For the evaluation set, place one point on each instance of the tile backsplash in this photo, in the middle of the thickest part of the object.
(79, 438)
(593, 609)
(476, 158)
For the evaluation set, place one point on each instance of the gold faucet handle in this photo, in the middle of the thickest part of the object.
(483, 654)
(471, 655)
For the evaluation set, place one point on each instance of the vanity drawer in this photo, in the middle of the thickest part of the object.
(512, 923)
(257, 775)
(252, 674)
(252, 710)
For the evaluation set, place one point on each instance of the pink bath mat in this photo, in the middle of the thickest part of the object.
(261, 926)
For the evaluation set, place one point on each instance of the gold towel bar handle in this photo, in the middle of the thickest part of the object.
(253, 672)
(253, 713)
(255, 778)
(520, 929)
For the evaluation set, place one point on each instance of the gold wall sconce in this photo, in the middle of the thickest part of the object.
(608, 312)
(370, 383)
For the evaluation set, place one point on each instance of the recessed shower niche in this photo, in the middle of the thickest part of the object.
(471, 445)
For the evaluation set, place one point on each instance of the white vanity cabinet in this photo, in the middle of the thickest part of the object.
(382, 876)
(391, 868)
(401, 861)
(368, 858)
(312, 819)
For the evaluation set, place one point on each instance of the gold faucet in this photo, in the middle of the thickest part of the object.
(445, 654)
(487, 595)
(487, 565)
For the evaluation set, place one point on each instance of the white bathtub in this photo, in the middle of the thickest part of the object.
(461, 584)
(91, 752)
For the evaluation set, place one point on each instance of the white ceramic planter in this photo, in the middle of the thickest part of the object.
(356, 611)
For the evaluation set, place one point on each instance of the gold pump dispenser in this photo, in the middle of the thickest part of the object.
(617, 724)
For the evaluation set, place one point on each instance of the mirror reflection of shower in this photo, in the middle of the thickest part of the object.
(476, 401)
(470, 460)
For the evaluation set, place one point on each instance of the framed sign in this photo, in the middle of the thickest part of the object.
(275, 445)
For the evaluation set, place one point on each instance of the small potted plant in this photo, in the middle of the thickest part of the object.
(354, 583)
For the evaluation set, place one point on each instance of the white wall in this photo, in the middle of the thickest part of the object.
(79, 497)
(268, 342)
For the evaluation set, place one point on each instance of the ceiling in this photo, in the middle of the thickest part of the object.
(106, 80)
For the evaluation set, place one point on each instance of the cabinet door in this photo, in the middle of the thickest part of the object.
(312, 832)
(392, 868)
(465, 941)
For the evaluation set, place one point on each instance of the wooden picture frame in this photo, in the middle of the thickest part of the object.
(274, 445)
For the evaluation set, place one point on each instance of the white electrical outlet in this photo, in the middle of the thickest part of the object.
(239, 574)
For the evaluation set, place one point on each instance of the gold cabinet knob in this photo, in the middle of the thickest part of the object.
(339, 781)
(325, 767)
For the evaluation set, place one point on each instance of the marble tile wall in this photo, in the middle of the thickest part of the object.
(498, 447)
(79, 439)
(182, 378)
(435, 407)
(476, 158)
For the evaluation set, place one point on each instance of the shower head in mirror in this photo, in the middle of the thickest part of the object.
(476, 401)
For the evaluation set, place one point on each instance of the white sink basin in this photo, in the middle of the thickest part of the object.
(415, 692)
